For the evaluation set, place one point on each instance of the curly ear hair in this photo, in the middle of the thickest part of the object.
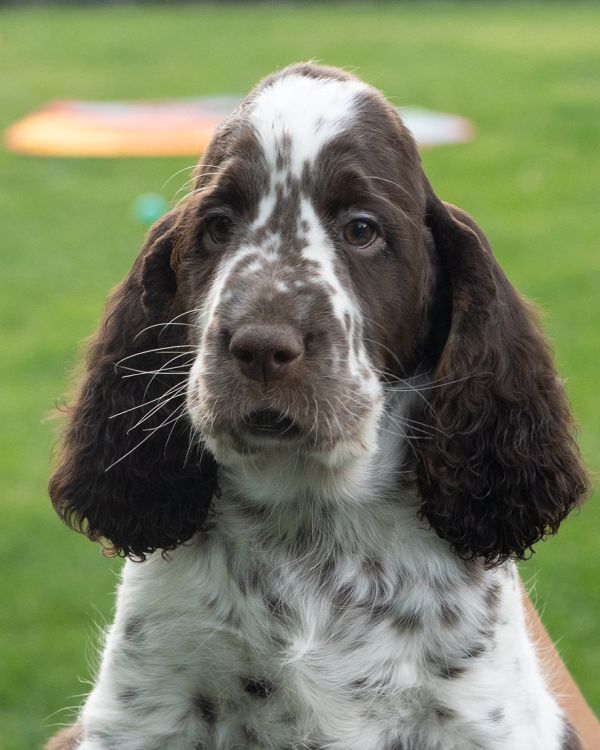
(134, 483)
(502, 469)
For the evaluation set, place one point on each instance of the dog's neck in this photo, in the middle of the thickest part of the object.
(286, 476)
(366, 504)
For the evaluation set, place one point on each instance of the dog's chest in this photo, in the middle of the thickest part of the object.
(261, 650)
(269, 665)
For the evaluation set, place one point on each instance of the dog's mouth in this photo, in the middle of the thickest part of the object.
(269, 424)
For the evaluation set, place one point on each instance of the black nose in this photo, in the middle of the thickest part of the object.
(266, 352)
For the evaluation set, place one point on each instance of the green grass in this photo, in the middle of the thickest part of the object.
(527, 75)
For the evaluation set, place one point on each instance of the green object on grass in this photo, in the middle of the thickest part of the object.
(149, 207)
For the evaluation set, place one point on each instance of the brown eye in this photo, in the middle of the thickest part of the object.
(360, 232)
(219, 229)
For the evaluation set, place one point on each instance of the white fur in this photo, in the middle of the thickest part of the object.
(309, 111)
(320, 251)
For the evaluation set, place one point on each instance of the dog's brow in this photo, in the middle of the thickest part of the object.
(304, 114)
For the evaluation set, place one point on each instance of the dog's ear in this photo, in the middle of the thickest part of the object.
(127, 472)
(501, 469)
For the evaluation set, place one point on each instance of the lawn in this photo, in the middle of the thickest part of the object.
(527, 75)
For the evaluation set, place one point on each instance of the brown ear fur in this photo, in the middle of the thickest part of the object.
(153, 498)
(502, 469)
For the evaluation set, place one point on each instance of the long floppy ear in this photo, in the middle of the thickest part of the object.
(501, 470)
(126, 472)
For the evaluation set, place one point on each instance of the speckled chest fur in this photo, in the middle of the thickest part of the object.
(362, 634)
(293, 622)
(322, 425)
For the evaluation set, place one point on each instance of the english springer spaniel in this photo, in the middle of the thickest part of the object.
(322, 425)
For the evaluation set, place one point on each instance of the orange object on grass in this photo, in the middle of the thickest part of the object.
(177, 127)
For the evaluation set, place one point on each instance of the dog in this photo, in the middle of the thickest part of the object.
(322, 426)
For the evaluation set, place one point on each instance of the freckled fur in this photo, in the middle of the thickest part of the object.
(352, 589)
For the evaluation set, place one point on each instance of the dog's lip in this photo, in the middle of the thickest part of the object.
(270, 423)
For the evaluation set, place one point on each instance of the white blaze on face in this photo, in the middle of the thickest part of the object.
(303, 115)
(304, 112)
(320, 251)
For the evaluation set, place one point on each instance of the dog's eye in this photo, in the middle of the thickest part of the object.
(219, 229)
(360, 232)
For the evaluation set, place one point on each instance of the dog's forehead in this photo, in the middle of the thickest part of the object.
(296, 115)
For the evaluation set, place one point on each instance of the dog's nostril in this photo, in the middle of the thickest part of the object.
(244, 355)
(281, 357)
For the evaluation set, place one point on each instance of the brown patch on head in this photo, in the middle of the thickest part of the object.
(373, 168)
(306, 70)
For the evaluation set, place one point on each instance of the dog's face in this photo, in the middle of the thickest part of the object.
(309, 270)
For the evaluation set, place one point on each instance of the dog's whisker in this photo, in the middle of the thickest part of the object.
(147, 403)
(158, 407)
(158, 350)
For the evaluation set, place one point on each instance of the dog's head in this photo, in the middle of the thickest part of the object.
(312, 269)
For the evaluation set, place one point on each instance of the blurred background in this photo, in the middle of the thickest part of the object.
(527, 76)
